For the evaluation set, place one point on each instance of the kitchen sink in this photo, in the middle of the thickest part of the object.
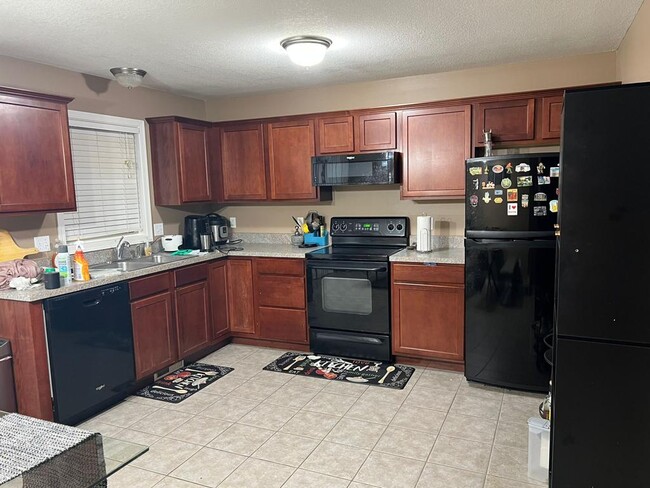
(138, 263)
(159, 259)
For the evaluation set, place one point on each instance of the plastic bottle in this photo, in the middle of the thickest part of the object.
(81, 272)
(63, 264)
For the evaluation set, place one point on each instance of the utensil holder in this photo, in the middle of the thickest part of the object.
(310, 238)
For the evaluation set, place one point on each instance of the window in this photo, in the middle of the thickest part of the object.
(111, 182)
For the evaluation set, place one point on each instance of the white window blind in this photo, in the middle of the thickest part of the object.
(110, 186)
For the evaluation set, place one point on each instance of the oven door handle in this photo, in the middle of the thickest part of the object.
(380, 269)
(349, 338)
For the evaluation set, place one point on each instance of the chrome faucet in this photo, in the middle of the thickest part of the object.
(121, 246)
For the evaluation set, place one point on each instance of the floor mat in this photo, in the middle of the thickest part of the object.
(360, 371)
(183, 383)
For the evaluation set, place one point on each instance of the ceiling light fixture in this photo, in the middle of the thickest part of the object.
(306, 50)
(128, 77)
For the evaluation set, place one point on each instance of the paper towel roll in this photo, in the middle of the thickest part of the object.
(425, 222)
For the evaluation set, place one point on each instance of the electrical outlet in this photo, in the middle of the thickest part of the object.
(158, 229)
(233, 222)
(42, 243)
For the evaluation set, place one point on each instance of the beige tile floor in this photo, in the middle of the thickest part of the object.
(256, 428)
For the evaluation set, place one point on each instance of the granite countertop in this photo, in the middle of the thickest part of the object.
(454, 255)
(38, 292)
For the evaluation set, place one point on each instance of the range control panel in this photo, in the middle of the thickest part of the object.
(369, 226)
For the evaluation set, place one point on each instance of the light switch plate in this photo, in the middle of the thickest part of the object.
(42, 243)
(233, 222)
(158, 229)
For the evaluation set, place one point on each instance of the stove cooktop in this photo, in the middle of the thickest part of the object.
(354, 253)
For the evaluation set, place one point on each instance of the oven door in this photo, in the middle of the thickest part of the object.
(349, 296)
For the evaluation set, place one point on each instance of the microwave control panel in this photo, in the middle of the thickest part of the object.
(369, 226)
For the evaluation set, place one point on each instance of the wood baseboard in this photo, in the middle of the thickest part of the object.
(432, 363)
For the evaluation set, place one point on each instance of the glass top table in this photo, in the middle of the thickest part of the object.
(117, 454)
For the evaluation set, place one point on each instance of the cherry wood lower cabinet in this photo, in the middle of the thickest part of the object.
(218, 279)
(154, 328)
(192, 309)
(428, 311)
(241, 305)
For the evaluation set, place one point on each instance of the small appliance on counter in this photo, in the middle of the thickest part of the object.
(195, 225)
(219, 229)
(171, 243)
(425, 223)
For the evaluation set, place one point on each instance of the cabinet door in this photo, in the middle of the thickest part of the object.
(377, 132)
(436, 143)
(335, 135)
(552, 117)
(192, 318)
(243, 172)
(194, 163)
(241, 298)
(428, 321)
(154, 334)
(509, 120)
(291, 147)
(219, 300)
(35, 154)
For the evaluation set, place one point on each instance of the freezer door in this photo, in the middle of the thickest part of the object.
(600, 428)
(604, 215)
(511, 194)
(509, 289)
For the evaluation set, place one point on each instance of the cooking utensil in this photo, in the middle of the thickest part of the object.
(180, 392)
(389, 370)
(296, 361)
(296, 221)
(9, 250)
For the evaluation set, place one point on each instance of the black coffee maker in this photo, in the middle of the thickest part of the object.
(195, 225)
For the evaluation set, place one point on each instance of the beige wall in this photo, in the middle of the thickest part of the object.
(448, 215)
(632, 57)
(98, 95)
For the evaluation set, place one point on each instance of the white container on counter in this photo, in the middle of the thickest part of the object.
(425, 223)
(171, 243)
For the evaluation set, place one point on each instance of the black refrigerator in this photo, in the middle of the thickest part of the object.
(510, 214)
(600, 429)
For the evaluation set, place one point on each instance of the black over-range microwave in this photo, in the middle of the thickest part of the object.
(357, 169)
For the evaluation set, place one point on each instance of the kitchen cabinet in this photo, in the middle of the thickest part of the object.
(376, 132)
(242, 162)
(241, 305)
(35, 153)
(154, 328)
(510, 120)
(290, 149)
(218, 280)
(436, 142)
(180, 157)
(335, 134)
(281, 300)
(551, 116)
(192, 301)
(428, 311)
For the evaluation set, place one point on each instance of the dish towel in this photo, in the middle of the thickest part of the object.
(18, 267)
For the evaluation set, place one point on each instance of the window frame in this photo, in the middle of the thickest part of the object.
(88, 120)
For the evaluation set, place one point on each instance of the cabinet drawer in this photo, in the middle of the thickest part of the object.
(149, 285)
(281, 291)
(419, 273)
(291, 267)
(281, 324)
(191, 274)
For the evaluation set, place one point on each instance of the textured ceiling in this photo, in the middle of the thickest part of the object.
(208, 48)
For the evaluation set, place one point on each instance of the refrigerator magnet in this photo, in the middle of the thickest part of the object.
(473, 200)
(555, 171)
(498, 193)
(540, 168)
(524, 201)
(498, 200)
(524, 181)
(512, 209)
(475, 183)
(522, 168)
(486, 197)
(543, 180)
(487, 185)
(539, 211)
(506, 183)
(509, 168)
(553, 206)
(475, 170)
(513, 195)
(497, 168)
(540, 197)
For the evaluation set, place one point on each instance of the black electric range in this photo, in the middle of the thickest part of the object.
(348, 287)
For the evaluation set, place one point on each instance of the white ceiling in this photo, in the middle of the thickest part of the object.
(209, 48)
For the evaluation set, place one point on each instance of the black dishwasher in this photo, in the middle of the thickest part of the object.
(90, 345)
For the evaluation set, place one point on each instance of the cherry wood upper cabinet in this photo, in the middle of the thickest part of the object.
(376, 132)
(180, 158)
(336, 135)
(241, 297)
(35, 154)
(243, 169)
(218, 281)
(436, 143)
(509, 120)
(290, 149)
(552, 116)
